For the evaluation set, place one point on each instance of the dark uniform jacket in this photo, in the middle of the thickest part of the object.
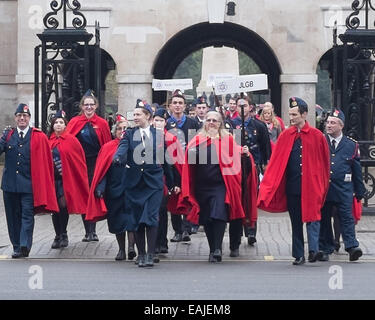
(182, 133)
(346, 172)
(256, 138)
(145, 163)
(17, 169)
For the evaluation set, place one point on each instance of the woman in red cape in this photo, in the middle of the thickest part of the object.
(211, 182)
(71, 183)
(92, 132)
(107, 193)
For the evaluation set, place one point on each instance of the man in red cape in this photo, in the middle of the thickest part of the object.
(230, 165)
(28, 182)
(297, 179)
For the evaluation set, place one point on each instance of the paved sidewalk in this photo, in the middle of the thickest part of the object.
(273, 241)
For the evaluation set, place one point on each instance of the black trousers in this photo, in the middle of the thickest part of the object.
(235, 233)
(161, 239)
(90, 227)
(180, 224)
(20, 218)
(215, 230)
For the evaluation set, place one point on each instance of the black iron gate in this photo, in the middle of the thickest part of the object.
(358, 79)
(63, 62)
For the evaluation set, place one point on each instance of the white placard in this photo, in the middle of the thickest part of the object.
(172, 84)
(217, 77)
(246, 83)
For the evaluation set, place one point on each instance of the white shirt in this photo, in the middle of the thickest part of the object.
(338, 139)
(146, 131)
(25, 131)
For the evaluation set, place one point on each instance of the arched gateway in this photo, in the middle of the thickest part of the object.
(212, 34)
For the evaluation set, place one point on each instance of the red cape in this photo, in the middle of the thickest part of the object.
(176, 153)
(229, 155)
(74, 173)
(357, 210)
(42, 174)
(99, 124)
(96, 208)
(315, 173)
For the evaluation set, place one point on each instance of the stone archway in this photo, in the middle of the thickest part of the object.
(227, 34)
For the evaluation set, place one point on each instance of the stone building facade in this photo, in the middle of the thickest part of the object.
(147, 39)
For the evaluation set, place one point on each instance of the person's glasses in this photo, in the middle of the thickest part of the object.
(89, 104)
(120, 128)
(20, 115)
(212, 120)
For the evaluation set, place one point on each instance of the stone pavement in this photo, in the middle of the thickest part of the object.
(273, 241)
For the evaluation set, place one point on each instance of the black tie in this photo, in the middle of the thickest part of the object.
(334, 144)
(21, 135)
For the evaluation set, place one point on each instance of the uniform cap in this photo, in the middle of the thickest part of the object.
(23, 108)
(297, 102)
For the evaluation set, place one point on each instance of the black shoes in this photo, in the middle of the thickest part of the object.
(149, 262)
(299, 261)
(131, 254)
(354, 253)
(211, 258)
(315, 256)
(325, 257)
(194, 229)
(251, 240)
(177, 238)
(217, 255)
(92, 236)
(185, 236)
(25, 252)
(141, 260)
(234, 253)
(56, 243)
(163, 249)
(64, 242)
(16, 255)
(121, 255)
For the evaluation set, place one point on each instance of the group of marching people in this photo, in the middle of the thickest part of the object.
(159, 165)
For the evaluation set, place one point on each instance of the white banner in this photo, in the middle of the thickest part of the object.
(217, 77)
(246, 83)
(172, 84)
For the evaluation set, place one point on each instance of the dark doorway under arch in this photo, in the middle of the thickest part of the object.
(227, 34)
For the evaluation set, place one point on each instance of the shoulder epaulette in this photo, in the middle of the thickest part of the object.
(352, 139)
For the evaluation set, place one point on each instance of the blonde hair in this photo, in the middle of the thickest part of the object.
(273, 120)
(222, 131)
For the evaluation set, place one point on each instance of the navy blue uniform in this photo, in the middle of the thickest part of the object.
(345, 181)
(256, 138)
(144, 176)
(293, 193)
(17, 187)
(184, 131)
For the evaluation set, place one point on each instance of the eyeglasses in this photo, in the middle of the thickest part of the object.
(89, 104)
(212, 120)
(120, 128)
(20, 115)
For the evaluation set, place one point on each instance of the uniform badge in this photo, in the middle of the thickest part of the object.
(336, 113)
(294, 103)
(173, 124)
(227, 125)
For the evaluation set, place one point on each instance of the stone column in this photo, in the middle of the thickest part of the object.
(8, 62)
(302, 86)
(132, 87)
